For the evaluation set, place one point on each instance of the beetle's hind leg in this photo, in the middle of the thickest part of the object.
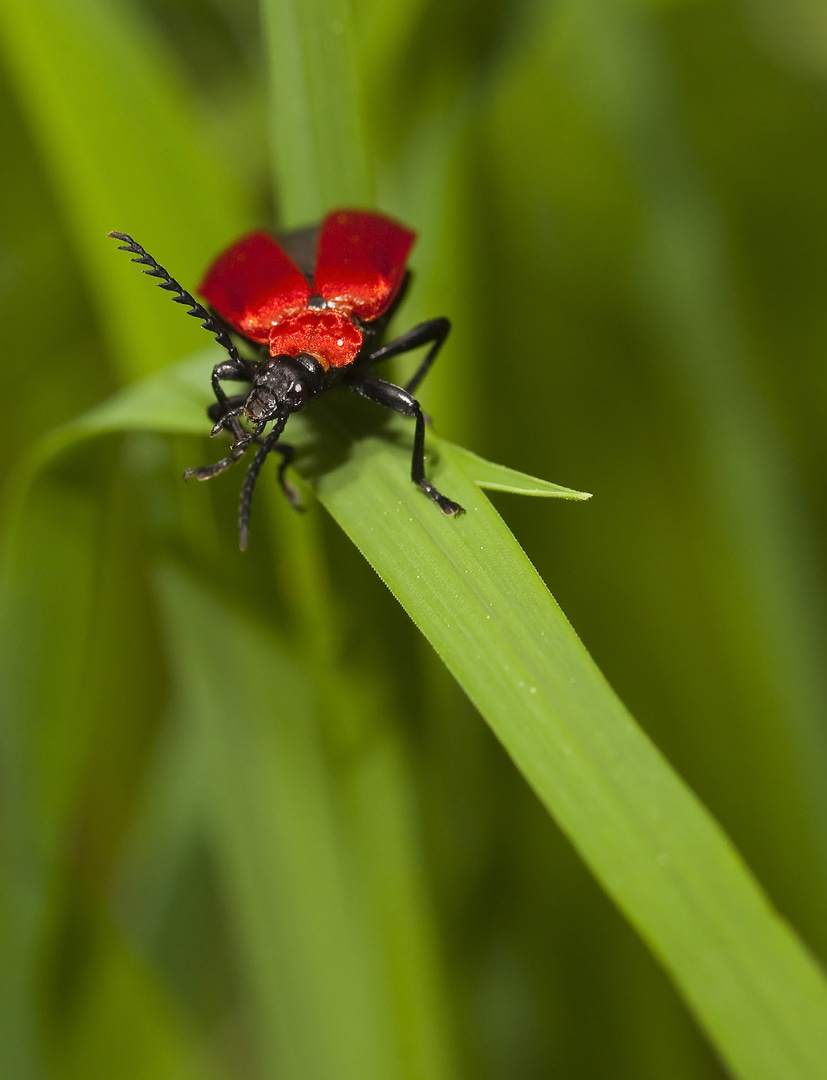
(291, 493)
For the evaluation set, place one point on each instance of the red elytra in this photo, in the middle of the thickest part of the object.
(260, 292)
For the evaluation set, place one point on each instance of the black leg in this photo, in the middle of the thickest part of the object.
(207, 472)
(287, 452)
(434, 331)
(401, 401)
(225, 411)
(291, 494)
(226, 415)
(217, 410)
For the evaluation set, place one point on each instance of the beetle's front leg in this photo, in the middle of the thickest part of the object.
(230, 371)
(225, 410)
(227, 416)
(234, 403)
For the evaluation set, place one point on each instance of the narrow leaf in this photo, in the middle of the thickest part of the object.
(493, 477)
(318, 146)
(290, 887)
(119, 135)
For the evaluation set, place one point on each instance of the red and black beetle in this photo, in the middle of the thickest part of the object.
(314, 305)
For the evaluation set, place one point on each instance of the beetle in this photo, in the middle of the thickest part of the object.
(313, 305)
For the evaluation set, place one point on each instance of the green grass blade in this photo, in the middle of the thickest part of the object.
(652, 845)
(318, 146)
(493, 477)
(43, 730)
(647, 839)
(299, 926)
(685, 275)
(376, 783)
(126, 1023)
(119, 135)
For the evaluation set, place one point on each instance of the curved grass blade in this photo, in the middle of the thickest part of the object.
(493, 477)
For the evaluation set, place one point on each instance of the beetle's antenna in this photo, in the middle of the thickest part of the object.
(183, 297)
(246, 500)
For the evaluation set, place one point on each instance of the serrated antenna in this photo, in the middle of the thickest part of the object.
(169, 284)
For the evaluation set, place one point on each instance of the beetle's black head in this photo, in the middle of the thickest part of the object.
(283, 385)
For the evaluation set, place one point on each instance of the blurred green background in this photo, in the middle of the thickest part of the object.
(251, 827)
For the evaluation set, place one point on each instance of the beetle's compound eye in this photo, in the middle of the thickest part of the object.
(298, 395)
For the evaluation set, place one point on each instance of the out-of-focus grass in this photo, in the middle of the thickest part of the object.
(620, 208)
